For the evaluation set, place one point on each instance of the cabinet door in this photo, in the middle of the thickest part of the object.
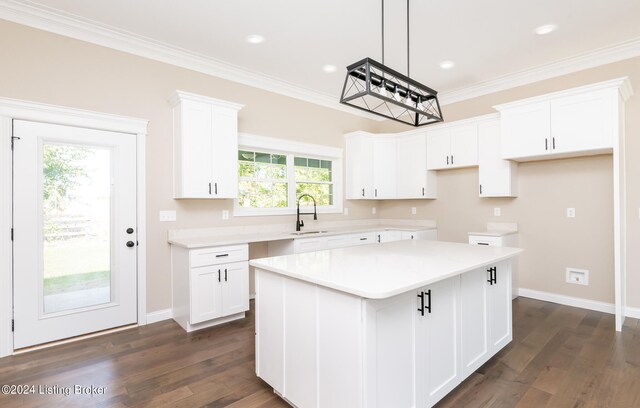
(438, 365)
(438, 149)
(235, 288)
(359, 167)
(495, 174)
(474, 320)
(338, 241)
(412, 167)
(384, 168)
(389, 236)
(583, 122)
(194, 170)
(206, 293)
(224, 153)
(464, 146)
(525, 131)
(408, 235)
(499, 308)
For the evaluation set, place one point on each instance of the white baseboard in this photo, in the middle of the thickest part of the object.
(632, 312)
(159, 316)
(569, 300)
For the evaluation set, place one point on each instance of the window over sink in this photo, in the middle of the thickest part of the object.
(273, 173)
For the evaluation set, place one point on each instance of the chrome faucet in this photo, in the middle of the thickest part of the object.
(299, 222)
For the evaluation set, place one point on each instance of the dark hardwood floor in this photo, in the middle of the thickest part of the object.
(560, 357)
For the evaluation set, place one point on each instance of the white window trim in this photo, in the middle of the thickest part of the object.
(251, 142)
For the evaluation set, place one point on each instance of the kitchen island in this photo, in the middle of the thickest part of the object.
(393, 325)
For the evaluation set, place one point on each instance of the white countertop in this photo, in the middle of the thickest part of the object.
(385, 270)
(243, 238)
(494, 233)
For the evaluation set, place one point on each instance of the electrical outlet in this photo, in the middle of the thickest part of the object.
(167, 216)
(414, 210)
(578, 276)
(497, 212)
(571, 212)
(225, 214)
(346, 211)
(373, 210)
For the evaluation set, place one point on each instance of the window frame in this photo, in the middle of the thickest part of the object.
(264, 144)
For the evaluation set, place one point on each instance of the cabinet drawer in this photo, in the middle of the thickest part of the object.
(309, 245)
(362, 239)
(218, 255)
(485, 240)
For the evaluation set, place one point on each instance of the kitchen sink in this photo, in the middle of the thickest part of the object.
(308, 232)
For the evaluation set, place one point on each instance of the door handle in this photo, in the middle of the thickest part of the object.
(130, 244)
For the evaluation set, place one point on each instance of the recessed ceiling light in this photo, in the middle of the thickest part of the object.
(447, 64)
(545, 29)
(329, 68)
(255, 39)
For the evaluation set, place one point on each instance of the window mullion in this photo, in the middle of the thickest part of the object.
(291, 182)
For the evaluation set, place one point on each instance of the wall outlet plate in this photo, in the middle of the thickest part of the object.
(497, 212)
(571, 212)
(225, 214)
(414, 210)
(169, 215)
(578, 276)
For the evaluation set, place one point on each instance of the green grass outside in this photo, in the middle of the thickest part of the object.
(76, 257)
(77, 282)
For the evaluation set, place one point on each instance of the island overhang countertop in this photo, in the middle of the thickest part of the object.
(385, 270)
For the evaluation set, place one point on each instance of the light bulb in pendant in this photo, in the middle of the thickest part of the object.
(383, 90)
(397, 96)
(420, 106)
(408, 100)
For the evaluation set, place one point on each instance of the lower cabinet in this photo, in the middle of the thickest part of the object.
(340, 241)
(206, 289)
(406, 351)
(486, 314)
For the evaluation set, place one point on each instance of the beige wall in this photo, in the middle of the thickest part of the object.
(546, 188)
(48, 68)
(43, 67)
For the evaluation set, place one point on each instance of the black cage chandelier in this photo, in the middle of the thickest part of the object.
(376, 88)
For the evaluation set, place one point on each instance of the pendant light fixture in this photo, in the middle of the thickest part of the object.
(373, 87)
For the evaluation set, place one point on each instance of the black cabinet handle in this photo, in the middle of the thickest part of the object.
(363, 239)
(221, 255)
(378, 238)
(493, 278)
(490, 280)
(546, 144)
(480, 188)
(216, 188)
(423, 191)
(209, 188)
(219, 280)
(553, 143)
(363, 192)
(428, 307)
(421, 308)
(375, 192)
(451, 159)
(447, 160)
(225, 274)
(483, 243)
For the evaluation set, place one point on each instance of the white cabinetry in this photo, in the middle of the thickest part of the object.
(388, 166)
(576, 122)
(359, 174)
(486, 314)
(340, 241)
(205, 133)
(496, 176)
(210, 285)
(452, 146)
(413, 178)
(409, 350)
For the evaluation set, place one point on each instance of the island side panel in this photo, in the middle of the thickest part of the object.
(270, 329)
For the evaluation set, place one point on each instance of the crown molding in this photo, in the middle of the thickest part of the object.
(602, 56)
(69, 25)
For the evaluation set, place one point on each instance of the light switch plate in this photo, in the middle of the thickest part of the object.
(225, 214)
(571, 212)
(414, 210)
(167, 216)
(497, 212)
(373, 210)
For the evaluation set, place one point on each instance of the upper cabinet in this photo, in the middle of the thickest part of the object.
(577, 122)
(205, 140)
(388, 166)
(413, 178)
(452, 146)
(496, 176)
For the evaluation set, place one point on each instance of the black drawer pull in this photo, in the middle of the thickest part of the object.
(363, 239)
(221, 255)
(483, 243)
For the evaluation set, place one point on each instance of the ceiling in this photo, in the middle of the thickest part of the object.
(486, 39)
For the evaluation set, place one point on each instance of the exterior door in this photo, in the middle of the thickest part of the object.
(74, 225)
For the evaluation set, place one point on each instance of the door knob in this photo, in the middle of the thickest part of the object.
(130, 244)
(129, 230)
